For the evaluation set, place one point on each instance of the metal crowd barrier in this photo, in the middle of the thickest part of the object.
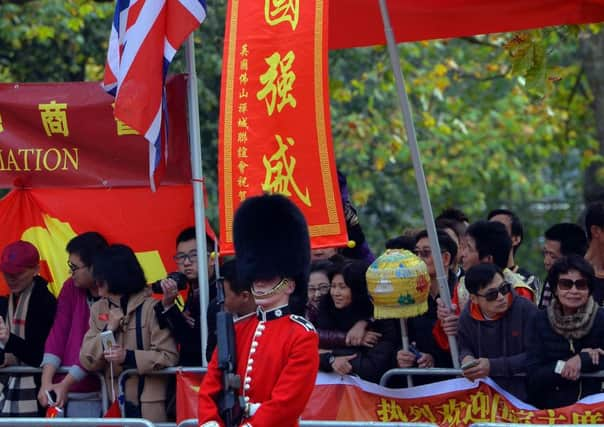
(167, 371)
(446, 372)
(73, 422)
(60, 370)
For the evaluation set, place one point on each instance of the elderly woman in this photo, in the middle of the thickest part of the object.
(126, 309)
(348, 303)
(569, 338)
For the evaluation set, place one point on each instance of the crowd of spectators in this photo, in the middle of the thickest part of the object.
(533, 338)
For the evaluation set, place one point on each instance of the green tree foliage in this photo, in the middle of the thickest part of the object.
(502, 120)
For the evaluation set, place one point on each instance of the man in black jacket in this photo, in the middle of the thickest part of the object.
(27, 315)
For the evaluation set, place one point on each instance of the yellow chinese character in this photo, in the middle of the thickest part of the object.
(243, 107)
(451, 411)
(242, 182)
(1, 127)
(242, 165)
(242, 152)
(523, 416)
(244, 65)
(550, 418)
(242, 195)
(280, 173)
(243, 79)
(278, 82)
(478, 409)
(587, 417)
(501, 411)
(54, 118)
(421, 414)
(123, 128)
(278, 11)
(244, 50)
(243, 93)
(242, 137)
(389, 410)
(242, 122)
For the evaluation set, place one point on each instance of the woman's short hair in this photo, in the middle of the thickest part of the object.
(118, 266)
(567, 263)
(479, 276)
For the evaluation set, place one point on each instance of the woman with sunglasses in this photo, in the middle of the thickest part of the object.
(569, 338)
(495, 330)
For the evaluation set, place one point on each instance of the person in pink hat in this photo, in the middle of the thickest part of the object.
(26, 316)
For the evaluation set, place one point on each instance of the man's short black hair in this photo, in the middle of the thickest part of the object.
(118, 266)
(228, 271)
(491, 239)
(572, 262)
(458, 228)
(517, 229)
(479, 276)
(401, 242)
(594, 216)
(447, 244)
(86, 246)
(453, 213)
(570, 236)
(189, 234)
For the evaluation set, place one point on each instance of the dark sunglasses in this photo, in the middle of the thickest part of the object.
(423, 253)
(492, 294)
(567, 284)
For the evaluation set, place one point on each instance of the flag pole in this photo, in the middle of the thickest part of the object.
(197, 182)
(420, 177)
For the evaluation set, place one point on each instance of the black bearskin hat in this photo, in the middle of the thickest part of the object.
(271, 240)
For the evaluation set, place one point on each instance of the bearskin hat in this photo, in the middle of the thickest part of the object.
(271, 240)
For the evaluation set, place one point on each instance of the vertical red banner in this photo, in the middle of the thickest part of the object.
(275, 133)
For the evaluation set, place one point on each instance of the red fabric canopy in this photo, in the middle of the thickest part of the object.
(354, 23)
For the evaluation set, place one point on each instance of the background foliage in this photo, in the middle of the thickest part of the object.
(502, 120)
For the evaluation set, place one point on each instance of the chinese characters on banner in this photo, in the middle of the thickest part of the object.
(275, 134)
(65, 135)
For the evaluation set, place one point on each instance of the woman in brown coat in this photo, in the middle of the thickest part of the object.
(126, 310)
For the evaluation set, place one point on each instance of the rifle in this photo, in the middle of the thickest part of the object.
(230, 404)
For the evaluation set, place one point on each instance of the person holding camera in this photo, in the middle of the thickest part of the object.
(77, 392)
(184, 324)
(124, 334)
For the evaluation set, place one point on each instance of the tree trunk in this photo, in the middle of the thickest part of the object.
(592, 55)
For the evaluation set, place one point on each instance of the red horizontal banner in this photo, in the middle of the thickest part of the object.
(147, 221)
(65, 135)
(275, 133)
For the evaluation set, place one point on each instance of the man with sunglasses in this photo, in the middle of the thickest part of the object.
(495, 330)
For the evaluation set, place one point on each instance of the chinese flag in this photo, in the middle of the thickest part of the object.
(48, 218)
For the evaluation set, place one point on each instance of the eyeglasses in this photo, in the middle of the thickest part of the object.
(423, 253)
(492, 294)
(322, 289)
(180, 258)
(567, 284)
(73, 268)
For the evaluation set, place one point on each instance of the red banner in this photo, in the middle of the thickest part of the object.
(456, 402)
(275, 133)
(65, 135)
(48, 218)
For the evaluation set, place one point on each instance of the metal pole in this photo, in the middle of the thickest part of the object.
(197, 178)
(419, 170)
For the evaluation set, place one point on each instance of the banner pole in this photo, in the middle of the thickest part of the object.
(420, 177)
(197, 182)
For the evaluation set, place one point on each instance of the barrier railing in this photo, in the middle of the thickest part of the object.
(445, 372)
(24, 370)
(167, 371)
(527, 425)
(73, 422)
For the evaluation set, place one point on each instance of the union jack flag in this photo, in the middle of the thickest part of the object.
(145, 36)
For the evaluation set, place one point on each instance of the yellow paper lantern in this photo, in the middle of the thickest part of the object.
(399, 283)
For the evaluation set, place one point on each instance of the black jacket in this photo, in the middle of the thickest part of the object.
(39, 320)
(548, 389)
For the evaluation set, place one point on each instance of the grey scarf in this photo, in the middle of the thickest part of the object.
(573, 326)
